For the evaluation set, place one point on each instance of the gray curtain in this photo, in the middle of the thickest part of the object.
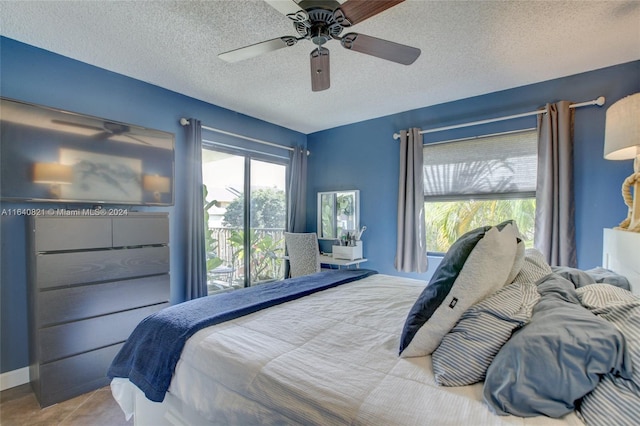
(297, 193)
(555, 209)
(411, 252)
(195, 259)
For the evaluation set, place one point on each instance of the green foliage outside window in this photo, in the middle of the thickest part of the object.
(266, 254)
(268, 209)
(446, 221)
(268, 213)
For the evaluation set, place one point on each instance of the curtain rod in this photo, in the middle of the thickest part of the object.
(184, 122)
(599, 102)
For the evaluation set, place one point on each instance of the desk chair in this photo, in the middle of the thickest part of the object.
(304, 253)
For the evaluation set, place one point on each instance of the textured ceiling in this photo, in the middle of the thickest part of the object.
(468, 48)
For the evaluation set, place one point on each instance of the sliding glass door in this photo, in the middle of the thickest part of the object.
(268, 220)
(245, 215)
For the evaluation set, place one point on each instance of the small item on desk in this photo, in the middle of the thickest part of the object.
(359, 233)
(348, 252)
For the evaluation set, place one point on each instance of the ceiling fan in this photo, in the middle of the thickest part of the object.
(107, 130)
(321, 21)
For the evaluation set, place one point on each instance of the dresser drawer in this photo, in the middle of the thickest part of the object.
(81, 336)
(136, 231)
(74, 376)
(75, 303)
(63, 269)
(71, 233)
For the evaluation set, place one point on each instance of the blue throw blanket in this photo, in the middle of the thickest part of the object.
(149, 357)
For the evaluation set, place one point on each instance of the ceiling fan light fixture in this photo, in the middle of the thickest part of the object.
(319, 35)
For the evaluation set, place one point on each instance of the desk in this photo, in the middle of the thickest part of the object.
(329, 260)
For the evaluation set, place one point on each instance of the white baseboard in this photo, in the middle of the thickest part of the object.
(14, 378)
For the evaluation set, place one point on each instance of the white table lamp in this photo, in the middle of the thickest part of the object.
(157, 184)
(55, 175)
(622, 142)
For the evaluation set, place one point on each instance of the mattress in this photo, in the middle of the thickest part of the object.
(330, 358)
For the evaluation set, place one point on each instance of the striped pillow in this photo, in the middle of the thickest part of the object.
(615, 399)
(467, 350)
(535, 267)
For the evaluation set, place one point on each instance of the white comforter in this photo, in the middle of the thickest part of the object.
(328, 359)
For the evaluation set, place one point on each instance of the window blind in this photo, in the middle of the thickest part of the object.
(499, 166)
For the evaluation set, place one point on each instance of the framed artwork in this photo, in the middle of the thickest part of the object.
(101, 177)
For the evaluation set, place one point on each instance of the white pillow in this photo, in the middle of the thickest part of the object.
(484, 272)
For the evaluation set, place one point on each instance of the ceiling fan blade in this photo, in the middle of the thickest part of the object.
(290, 9)
(80, 125)
(101, 136)
(136, 139)
(352, 12)
(380, 48)
(257, 49)
(320, 69)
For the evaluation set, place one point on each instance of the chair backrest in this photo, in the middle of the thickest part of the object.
(304, 253)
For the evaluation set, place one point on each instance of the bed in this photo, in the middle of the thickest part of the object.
(328, 354)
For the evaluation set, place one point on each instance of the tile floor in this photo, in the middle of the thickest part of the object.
(19, 407)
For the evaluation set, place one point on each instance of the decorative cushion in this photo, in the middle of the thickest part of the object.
(556, 359)
(476, 265)
(534, 268)
(468, 349)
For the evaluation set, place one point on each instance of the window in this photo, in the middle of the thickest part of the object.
(480, 181)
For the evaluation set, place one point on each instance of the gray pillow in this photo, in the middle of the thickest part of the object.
(606, 276)
(467, 350)
(596, 275)
(556, 359)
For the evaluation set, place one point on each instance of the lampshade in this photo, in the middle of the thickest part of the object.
(155, 183)
(622, 132)
(52, 173)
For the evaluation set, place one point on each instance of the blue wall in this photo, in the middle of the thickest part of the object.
(365, 156)
(359, 156)
(38, 76)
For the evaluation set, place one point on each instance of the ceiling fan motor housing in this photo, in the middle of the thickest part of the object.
(321, 26)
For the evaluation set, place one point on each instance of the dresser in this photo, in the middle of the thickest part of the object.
(91, 280)
(621, 253)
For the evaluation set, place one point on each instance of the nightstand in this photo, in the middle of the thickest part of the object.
(621, 254)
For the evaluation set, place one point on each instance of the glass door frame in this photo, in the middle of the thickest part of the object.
(248, 156)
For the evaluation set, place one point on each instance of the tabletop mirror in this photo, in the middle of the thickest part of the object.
(338, 213)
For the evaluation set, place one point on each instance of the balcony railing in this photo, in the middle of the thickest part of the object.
(267, 252)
